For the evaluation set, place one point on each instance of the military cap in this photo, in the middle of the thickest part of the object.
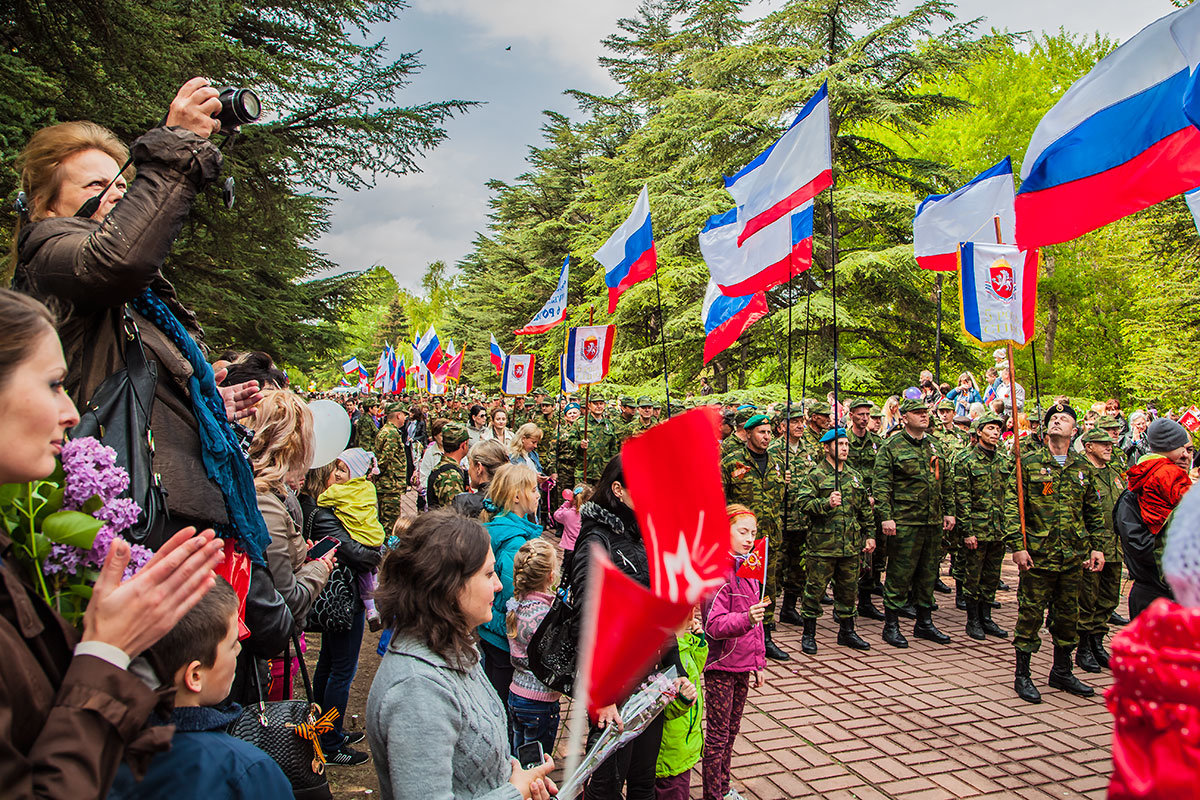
(820, 408)
(546, 401)
(908, 404)
(988, 419)
(626, 400)
(396, 408)
(597, 396)
(369, 402)
(1108, 421)
(656, 405)
(755, 421)
(453, 435)
(876, 412)
(729, 419)
(945, 405)
(1098, 436)
(742, 414)
(833, 433)
(540, 392)
(645, 402)
(1058, 408)
(861, 402)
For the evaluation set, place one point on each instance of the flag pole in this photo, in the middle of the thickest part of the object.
(587, 400)
(1016, 425)
(937, 346)
(1037, 389)
(662, 329)
(833, 259)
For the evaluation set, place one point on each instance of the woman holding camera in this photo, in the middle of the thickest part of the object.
(100, 268)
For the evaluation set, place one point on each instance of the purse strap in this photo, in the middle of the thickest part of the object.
(136, 365)
(308, 690)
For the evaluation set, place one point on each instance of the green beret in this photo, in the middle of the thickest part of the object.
(945, 405)
(1108, 421)
(908, 404)
(1098, 436)
(396, 408)
(755, 421)
(645, 402)
(820, 407)
(453, 436)
(626, 400)
(860, 403)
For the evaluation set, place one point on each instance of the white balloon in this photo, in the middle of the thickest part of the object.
(331, 431)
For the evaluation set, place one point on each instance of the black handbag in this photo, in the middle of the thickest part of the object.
(118, 415)
(334, 608)
(289, 732)
(554, 647)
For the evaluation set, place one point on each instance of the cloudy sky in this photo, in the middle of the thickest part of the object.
(404, 223)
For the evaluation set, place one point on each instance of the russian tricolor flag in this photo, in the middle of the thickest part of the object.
(727, 318)
(628, 256)
(789, 174)
(779, 251)
(1119, 140)
(430, 350)
(497, 355)
(943, 221)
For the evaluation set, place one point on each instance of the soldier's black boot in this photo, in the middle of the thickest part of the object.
(891, 629)
(1062, 677)
(960, 602)
(826, 600)
(1023, 684)
(808, 639)
(985, 621)
(788, 614)
(974, 629)
(1085, 659)
(1098, 650)
(866, 608)
(925, 629)
(908, 612)
(1002, 586)
(941, 587)
(1116, 619)
(848, 637)
(773, 651)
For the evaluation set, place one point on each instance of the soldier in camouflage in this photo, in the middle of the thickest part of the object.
(1100, 592)
(395, 464)
(944, 433)
(756, 479)
(981, 473)
(736, 440)
(1063, 532)
(447, 478)
(863, 446)
(911, 487)
(792, 559)
(623, 424)
(644, 420)
(367, 426)
(819, 420)
(599, 446)
(1112, 426)
(834, 497)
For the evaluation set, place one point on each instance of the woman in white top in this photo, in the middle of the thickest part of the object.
(497, 429)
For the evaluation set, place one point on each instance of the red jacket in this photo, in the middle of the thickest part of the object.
(1159, 485)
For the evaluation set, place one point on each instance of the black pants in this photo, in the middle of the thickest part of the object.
(497, 665)
(336, 667)
(1141, 595)
(629, 772)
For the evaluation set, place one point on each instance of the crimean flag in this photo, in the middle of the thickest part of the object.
(998, 290)
(629, 256)
(350, 365)
(565, 386)
(589, 349)
(1121, 139)
(497, 355)
(754, 565)
(681, 511)
(943, 221)
(555, 309)
(773, 256)
(727, 318)
(1191, 419)
(518, 374)
(790, 173)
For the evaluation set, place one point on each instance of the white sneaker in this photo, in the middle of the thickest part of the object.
(733, 794)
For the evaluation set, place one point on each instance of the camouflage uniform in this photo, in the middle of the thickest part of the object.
(911, 483)
(1064, 522)
(762, 492)
(980, 478)
(446, 480)
(364, 432)
(602, 446)
(835, 538)
(862, 460)
(1119, 459)
(1100, 592)
(395, 469)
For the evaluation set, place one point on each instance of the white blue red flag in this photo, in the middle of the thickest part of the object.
(350, 365)
(790, 173)
(1119, 140)
(944, 221)
(399, 373)
(555, 309)
(998, 287)
(497, 355)
(382, 370)
(628, 256)
(518, 374)
(726, 318)
(589, 349)
(779, 251)
(565, 386)
(430, 350)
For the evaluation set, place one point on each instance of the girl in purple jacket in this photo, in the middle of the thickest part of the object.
(736, 657)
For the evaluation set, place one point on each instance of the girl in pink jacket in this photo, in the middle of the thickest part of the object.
(736, 657)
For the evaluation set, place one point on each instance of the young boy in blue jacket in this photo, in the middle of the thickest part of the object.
(200, 654)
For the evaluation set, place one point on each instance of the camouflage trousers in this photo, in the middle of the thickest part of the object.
(1041, 590)
(1099, 595)
(874, 564)
(795, 560)
(844, 574)
(775, 556)
(912, 566)
(981, 570)
(389, 509)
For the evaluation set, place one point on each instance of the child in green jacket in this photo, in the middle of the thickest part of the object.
(683, 733)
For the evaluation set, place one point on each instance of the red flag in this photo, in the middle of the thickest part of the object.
(681, 511)
(631, 629)
(755, 565)
(1191, 419)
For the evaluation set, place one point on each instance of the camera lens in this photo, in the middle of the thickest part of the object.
(238, 106)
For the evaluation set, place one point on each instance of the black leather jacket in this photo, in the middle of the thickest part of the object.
(321, 522)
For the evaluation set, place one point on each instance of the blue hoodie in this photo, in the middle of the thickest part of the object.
(508, 531)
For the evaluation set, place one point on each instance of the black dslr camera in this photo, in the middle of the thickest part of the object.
(238, 107)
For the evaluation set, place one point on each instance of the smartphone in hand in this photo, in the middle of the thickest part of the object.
(321, 548)
(530, 755)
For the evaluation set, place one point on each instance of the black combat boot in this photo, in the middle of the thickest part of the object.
(1002, 586)
(974, 629)
(941, 587)
(773, 651)
(1116, 619)
(891, 629)
(1098, 650)
(1085, 659)
(877, 588)
(1061, 676)
(908, 612)
(925, 629)
(985, 621)
(866, 608)
(788, 614)
(960, 602)
(1023, 684)
(808, 639)
(848, 637)
(826, 600)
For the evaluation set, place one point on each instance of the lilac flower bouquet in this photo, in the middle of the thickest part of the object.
(64, 526)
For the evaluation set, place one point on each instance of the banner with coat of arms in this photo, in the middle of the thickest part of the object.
(518, 374)
(998, 291)
(589, 349)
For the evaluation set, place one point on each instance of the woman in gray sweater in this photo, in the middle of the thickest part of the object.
(430, 704)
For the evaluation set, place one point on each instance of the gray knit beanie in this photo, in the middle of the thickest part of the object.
(1164, 435)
